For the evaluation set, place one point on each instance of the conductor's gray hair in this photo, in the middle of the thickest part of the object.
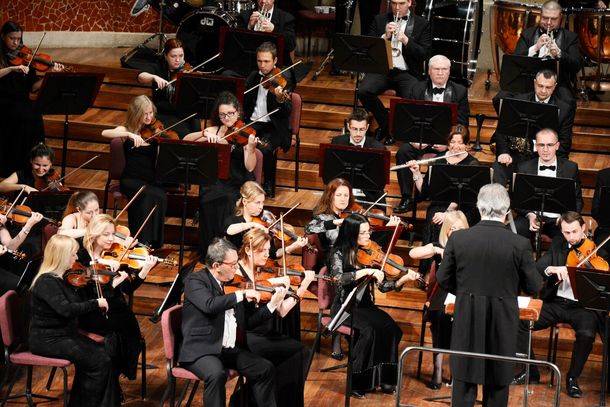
(493, 201)
(217, 251)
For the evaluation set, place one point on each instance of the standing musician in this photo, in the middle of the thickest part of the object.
(274, 130)
(603, 227)
(53, 333)
(214, 328)
(272, 339)
(549, 165)
(159, 75)
(81, 208)
(511, 150)
(411, 43)
(19, 117)
(140, 161)
(559, 304)
(217, 202)
(9, 277)
(440, 323)
(486, 282)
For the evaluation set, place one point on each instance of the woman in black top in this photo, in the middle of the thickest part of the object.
(140, 161)
(53, 332)
(217, 201)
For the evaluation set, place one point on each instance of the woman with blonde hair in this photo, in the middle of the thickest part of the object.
(53, 332)
(140, 160)
(81, 208)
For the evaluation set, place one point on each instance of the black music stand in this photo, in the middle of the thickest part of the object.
(29, 272)
(52, 204)
(538, 194)
(361, 54)
(197, 93)
(188, 163)
(68, 93)
(239, 46)
(518, 72)
(410, 120)
(604, 206)
(457, 183)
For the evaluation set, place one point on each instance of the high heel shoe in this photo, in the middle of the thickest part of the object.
(337, 355)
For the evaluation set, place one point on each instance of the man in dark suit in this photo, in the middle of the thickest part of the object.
(412, 41)
(559, 304)
(486, 278)
(510, 151)
(438, 88)
(603, 226)
(549, 165)
(273, 131)
(214, 329)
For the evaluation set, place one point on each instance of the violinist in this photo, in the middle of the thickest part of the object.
(603, 223)
(273, 340)
(159, 75)
(36, 175)
(248, 215)
(274, 130)
(81, 208)
(140, 161)
(53, 332)
(9, 275)
(217, 201)
(440, 323)
(559, 305)
(20, 121)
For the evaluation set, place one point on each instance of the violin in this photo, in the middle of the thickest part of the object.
(156, 126)
(20, 213)
(40, 62)
(272, 81)
(17, 255)
(577, 257)
(296, 273)
(79, 275)
(123, 232)
(374, 215)
(134, 258)
(267, 219)
(373, 256)
(262, 285)
(239, 134)
(51, 181)
(184, 67)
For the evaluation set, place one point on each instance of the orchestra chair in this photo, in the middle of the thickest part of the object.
(113, 183)
(295, 126)
(424, 320)
(171, 323)
(48, 231)
(12, 339)
(311, 258)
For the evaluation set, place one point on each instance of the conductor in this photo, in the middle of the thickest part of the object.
(486, 282)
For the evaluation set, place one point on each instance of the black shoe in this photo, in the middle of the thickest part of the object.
(379, 135)
(434, 385)
(403, 206)
(357, 394)
(337, 355)
(572, 388)
(388, 388)
(389, 140)
(520, 378)
(269, 190)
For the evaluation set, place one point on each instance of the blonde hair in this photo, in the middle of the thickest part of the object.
(95, 229)
(135, 112)
(249, 190)
(57, 256)
(255, 238)
(451, 217)
(79, 201)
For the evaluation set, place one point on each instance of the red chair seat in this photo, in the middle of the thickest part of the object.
(342, 329)
(28, 358)
(182, 373)
(94, 337)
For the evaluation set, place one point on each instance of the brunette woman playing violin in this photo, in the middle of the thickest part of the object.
(10, 270)
(159, 75)
(37, 173)
(53, 333)
(82, 207)
(140, 160)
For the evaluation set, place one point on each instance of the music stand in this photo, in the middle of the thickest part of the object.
(457, 183)
(68, 93)
(518, 72)
(239, 46)
(361, 54)
(604, 206)
(52, 204)
(539, 194)
(411, 119)
(27, 276)
(188, 163)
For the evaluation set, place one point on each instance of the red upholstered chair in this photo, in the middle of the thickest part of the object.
(117, 164)
(47, 233)
(258, 170)
(311, 258)
(295, 125)
(13, 341)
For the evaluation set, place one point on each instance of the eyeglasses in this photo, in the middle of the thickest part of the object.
(540, 146)
(227, 115)
(234, 265)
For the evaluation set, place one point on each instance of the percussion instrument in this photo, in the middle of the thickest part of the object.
(175, 10)
(593, 29)
(199, 31)
(456, 33)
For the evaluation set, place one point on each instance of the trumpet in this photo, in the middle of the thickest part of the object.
(265, 15)
(396, 47)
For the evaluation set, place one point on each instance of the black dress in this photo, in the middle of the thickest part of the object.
(140, 170)
(32, 244)
(21, 126)
(238, 239)
(440, 323)
(53, 333)
(375, 353)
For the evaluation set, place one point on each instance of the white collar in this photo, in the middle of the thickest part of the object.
(361, 144)
(542, 101)
(552, 163)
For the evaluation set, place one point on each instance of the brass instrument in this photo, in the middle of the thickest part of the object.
(396, 46)
(265, 15)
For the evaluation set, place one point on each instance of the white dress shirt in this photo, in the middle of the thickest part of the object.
(399, 61)
(438, 97)
(353, 143)
(565, 288)
(260, 109)
(548, 173)
(229, 335)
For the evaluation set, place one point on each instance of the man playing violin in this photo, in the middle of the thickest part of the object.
(559, 305)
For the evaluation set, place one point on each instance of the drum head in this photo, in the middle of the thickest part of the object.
(200, 32)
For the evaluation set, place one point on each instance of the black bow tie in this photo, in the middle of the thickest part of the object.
(551, 32)
(547, 167)
(438, 91)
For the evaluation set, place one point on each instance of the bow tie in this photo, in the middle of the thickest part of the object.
(547, 167)
(551, 32)
(438, 91)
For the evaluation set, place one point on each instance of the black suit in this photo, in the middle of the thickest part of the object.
(283, 24)
(603, 228)
(414, 54)
(486, 278)
(203, 318)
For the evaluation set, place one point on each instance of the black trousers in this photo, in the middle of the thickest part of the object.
(406, 153)
(549, 227)
(152, 195)
(375, 84)
(211, 369)
(464, 394)
(583, 321)
(503, 174)
(601, 233)
(265, 132)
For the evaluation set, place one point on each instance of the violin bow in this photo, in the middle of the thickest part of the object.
(168, 128)
(116, 218)
(196, 67)
(283, 243)
(139, 231)
(271, 77)
(44, 34)
(98, 287)
(247, 125)
(375, 203)
(10, 208)
(287, 212)
(73, 171)
(387, 253)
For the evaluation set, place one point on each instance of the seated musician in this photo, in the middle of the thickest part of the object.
(510, 151)
(549, 165)
(440, 323)
(559, 304)
(40, 167)
(159, 75)
(214, 326)
(550, 41)
(603, 228)
(274, 130)
(217, 201)
(412, 41)
(139, 171)
(81, 208)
